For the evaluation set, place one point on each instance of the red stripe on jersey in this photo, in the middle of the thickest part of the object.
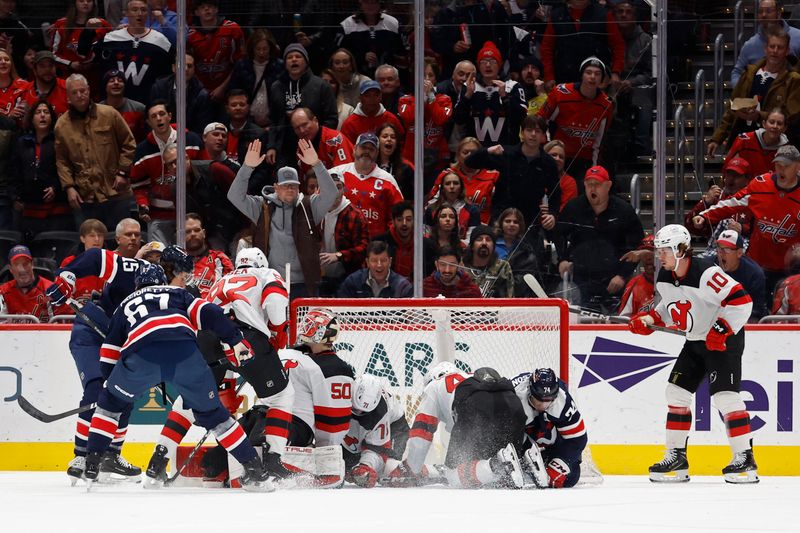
(273, 289)
(279, 414)
(179, 419)
(108, 265)
(194, 312)
(332, 411)
(146, 327)
(332, 428)
(109, 353)
(82, 428)
(426, 419)
(737, 423)
(573, 431)
(420, 434)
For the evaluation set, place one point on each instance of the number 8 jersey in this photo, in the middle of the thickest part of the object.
(695, 302)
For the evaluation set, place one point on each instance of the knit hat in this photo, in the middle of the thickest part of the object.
(481, 229)
(490, 51)
(531, 60)
(593, 61)
(295, 47)
(113, 73)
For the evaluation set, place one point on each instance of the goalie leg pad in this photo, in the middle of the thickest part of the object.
(330, 466)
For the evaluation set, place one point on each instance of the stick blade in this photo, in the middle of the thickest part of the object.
(535, 286)
(26, 406)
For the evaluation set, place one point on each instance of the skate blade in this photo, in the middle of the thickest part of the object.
(750, 476)
(89, 485)
(108, 478)
(73, 480)
(261, 486)
(153, 483)
(677, 476)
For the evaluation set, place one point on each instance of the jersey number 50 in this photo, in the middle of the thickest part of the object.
(340, 391)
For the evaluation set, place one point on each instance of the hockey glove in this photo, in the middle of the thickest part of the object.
(227, 395)
(62, 289)
(719, 332)
(402, 476)
(364, 476)
(640, 321)
(280, 335)
(557, 471)
(239, 354)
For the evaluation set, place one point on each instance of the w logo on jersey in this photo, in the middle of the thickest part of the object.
(679, 312)
(334, 141)
(132, 72)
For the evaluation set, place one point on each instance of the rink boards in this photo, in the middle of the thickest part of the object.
(617, 378)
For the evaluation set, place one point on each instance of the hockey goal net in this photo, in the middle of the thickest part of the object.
(400, 340)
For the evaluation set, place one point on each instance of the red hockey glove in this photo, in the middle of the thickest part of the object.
(640, 321)
(227, 395)
(402, 476)
(280, 335)
(719, 332)
(557, 471)
(364, 476)
(62, 288)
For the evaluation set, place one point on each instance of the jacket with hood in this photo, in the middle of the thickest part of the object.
(753, 49)
(285, 96)
(359, 123)
(287, 233)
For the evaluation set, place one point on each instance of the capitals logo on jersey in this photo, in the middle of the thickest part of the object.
(779, 231)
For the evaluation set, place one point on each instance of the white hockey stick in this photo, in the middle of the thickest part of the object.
(537, 289)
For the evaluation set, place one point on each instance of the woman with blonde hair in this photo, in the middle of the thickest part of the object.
(12, 104)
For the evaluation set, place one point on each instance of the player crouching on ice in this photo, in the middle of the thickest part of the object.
(485, 420)
(698, 297)
(553, 425)
(153, 333)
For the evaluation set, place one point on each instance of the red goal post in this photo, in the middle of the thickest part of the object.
(401, 339)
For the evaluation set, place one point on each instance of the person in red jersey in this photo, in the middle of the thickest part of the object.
(759, 147)
(74, 37)
(217, 43)
(209, 265)
(45, 84)
(24, 295)
(333, 148)
(93, 234)
(369, 113)
(638, 294)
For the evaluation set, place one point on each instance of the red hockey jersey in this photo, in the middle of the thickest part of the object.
(215, 52)
(437, 114)
(638, 296)
(85, 287)
(358, 123)
(751, 147)
(374, 194)
(210, 267)
(478, 188)
(334, 149)
(67, 44)
(34, 302)
(580, 123)
(787, 297)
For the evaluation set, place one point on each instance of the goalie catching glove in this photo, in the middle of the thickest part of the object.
(640, 322)
(719, 332)
(239, 354)
(62, 289)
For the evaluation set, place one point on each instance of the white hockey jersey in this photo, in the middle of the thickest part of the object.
(323, 385)
(695, 302)
(371, 432)
(256, 296)
(435, 406)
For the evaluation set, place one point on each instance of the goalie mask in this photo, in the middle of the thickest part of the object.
(440, 370)
(251, 257)
(544, 385)
(319, 327)
(366, 393)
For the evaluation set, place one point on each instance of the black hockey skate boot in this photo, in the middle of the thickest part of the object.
(156, 473)
(743, 468)
(115, 468)
(506, 466)
(254, 478)
(274, 466)
(92, 470)
(75, 469)
(674, 468)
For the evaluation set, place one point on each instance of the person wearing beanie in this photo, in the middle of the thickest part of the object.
(492, 275)
(296, 87)
(218, 43)
(492, 109)
(581, 113)
(530, 76)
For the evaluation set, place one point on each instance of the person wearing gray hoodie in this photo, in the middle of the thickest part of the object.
(287, 222)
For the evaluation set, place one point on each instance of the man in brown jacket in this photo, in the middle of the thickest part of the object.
(94, 151)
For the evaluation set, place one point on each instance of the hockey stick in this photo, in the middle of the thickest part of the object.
(537, 289)
(180, 469)
(40, 415)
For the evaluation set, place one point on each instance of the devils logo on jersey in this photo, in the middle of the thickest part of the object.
(288, 364)
(679, 311)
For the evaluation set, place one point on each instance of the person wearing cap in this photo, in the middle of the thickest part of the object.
(580, 115)
(332, 147)
(377, 279)
(373, 35)
(286, 220)
(215, 143)
(296, 87)
(783, 90)
(218, 43)
(142, 53)
(492, 275)
(759, 147)
(132, 111)
(94, 153)
(369, 113)
(731, 258)
(344, 240)
(772, 200)
(151, 252)
(199, 109)
(24, 295)
(735, 175)
(575, 30)
(493, 108)
(593, 232)
(45, 83)
(370, 188)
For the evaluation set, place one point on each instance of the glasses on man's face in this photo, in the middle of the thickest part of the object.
(487, 61)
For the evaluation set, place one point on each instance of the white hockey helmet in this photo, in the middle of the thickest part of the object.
(440, 370)
(366, 393)
(319, 326)
(672, 236)
(251, 257)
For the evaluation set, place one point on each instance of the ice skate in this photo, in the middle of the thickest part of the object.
(742, 468)
(254, 478)
(156, 473)
(115, 468)
(506, 466)
(75, 469)
(92, 469)
(275, 467)
(674, 468)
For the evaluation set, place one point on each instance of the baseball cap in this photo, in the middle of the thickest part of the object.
(156, 246)
(787, 154)
(215, 126)
(18, 251)
(738, 165)
(730, 239)
(597, 173)
(367, 138)
(287, 176)
(41, 55)
(113, 73)
(368, 85)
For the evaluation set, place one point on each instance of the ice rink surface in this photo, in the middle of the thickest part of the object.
(44, 502)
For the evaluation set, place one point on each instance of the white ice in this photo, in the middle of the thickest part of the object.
(44, 502)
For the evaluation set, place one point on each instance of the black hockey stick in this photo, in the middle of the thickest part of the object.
(40, 415)
(537, 289)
